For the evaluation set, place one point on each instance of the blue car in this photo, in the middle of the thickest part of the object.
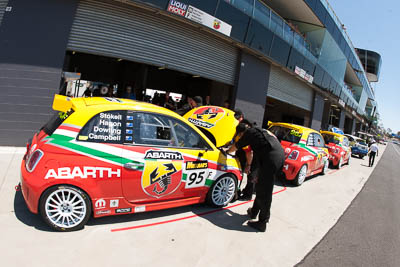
(358, 146)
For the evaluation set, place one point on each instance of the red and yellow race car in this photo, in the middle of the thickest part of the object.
(108, 156)
(305, 151)
(339, 148)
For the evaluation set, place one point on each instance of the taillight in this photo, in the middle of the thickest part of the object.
(294, 155)
(33, 160)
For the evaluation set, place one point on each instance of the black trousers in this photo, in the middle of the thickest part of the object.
(253, 175)
(264, 189)
(371, 158)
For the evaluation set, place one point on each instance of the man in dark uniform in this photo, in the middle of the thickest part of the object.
(270, 156)
(245, 156)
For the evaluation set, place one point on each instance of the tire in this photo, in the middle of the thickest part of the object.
(222, 191)
(361, 156)
(57, 202)
(325, 168)
(340, 163)
(301, 176)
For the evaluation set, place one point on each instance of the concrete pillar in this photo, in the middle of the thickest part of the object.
(318, 111)
(342, 118)
(353, 127)
(252, 86)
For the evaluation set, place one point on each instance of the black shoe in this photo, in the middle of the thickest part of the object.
(251, 215)
(245, 197)
(260, 226)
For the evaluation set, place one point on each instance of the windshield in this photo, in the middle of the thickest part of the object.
(331, 139)
(286, 134)
(55, 121)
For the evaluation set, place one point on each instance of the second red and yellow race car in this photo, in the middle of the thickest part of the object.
(339, 148)
(108, 156)
(305, 151)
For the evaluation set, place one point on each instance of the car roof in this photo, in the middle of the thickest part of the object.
(118, 103)
(332, 133)
(299, 128)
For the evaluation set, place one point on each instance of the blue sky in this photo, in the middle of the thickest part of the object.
(373, 25)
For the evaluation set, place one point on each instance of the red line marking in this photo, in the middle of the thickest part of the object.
(187, 217)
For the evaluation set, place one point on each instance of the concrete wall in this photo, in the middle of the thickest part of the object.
(33, 40)
(252, 86)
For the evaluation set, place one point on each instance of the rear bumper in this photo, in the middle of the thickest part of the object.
(28, 191)
(357, 151)
(290, 170)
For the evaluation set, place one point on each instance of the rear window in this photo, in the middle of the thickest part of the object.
(331, 139)
(55, 121)
(286, 134)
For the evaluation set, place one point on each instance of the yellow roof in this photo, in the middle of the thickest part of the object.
(299, 128)
(332, 133)
(63, 103)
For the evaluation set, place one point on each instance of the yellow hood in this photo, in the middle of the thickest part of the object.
(218, 122)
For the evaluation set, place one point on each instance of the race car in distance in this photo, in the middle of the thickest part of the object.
(109, 156)
(305, 151)
(358, 146)
(339, 148)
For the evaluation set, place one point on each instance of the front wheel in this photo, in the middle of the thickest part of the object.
(325, 168)
(222, 191)
(340, 163)
(301, 175)
(65, 208)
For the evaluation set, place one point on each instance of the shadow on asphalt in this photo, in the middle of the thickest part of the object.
(224, 218)
(25, 216)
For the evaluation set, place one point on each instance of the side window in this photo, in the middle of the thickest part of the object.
(160, 130)
(345, 141)
(149, 129)
(310, 140)
(318, 140)
(105, 127)
(187, 137)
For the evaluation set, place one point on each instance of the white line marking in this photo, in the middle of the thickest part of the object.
(394, 146)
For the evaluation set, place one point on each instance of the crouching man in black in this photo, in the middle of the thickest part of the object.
(270, 156)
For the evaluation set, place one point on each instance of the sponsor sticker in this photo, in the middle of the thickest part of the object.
(83, 173)
(124, 210)
(161, 177)
(100, 204)
(194, 165)
(114, 203)
(140, 209)
(103, 212)
(207, 117)
(158, 154)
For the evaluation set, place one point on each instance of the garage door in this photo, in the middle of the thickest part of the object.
(285, 87)
(3, 4)
(119, 30)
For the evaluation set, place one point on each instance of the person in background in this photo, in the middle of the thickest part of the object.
(129, 94)
(194, 102)
(372, 152)
(207, 101)
(270, 156)
(227, 104)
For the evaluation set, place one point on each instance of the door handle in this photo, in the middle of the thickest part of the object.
(133, 166)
